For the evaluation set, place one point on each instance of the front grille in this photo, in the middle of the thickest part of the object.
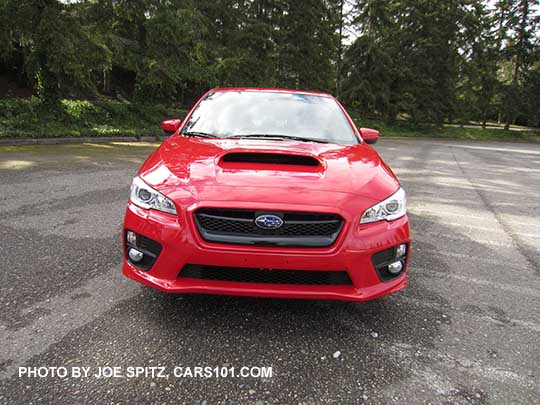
(265, 276)
(299, 229)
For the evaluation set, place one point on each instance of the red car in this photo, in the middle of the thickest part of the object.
(269, 193)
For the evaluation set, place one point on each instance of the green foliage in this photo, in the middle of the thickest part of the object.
(6, 43)
(520, 52)
(432, 61)
(531, 90)
(408, 129)
(308, 44)
(173, 54)
(27, 118)
(60, 54)
(410, 52)
(246, 52)
(370, 62)
(74, 118)
(443, 61)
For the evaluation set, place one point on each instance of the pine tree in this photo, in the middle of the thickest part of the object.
(369, 61)
(478, 82)
(520, 22)
(250, 53)
(174, 54)
(307, 45)
(58, 50)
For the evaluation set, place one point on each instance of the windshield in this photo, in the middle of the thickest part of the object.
(272, 115)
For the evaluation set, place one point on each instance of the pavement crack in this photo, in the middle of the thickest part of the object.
(533, 263)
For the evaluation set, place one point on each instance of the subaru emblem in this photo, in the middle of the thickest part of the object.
(268, 221)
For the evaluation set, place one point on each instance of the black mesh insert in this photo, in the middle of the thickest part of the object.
(148, 244)
(384, 256)
(265, 276)
(241, 224)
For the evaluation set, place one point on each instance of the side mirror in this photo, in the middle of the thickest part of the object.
(170, 126)
(370, 136)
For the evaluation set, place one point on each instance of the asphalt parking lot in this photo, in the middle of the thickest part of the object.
(467, 329)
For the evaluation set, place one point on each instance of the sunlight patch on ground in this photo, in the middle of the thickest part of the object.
(98, 145)
(144, 144)
(16, 164)
(88, 146)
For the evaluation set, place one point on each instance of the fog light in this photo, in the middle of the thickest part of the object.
(135, 255)
(131, 238)
(395, 268)
(401, 250)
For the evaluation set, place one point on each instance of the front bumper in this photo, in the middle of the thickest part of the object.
(182, 244)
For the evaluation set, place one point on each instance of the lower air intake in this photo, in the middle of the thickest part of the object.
(265, 276)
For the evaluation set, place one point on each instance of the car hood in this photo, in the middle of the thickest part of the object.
(206, 165)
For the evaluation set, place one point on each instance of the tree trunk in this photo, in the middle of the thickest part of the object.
(106, 82)
(507, 123)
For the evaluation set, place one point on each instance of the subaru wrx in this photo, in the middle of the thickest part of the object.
(269, 193)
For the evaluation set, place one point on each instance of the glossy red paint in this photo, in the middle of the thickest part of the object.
(190, 171)
(171, 126)
(369, 135)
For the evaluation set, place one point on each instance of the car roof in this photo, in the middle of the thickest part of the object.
(271, 89)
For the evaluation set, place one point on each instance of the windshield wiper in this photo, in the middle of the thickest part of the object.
(200, 134)
(278, 137)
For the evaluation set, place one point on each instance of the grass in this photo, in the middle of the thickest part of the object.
(29, 118)
(21, 118)
(405, 129)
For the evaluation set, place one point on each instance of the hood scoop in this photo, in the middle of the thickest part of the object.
(271, 159)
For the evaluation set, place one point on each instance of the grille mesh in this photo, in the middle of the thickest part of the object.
(297, 229)
(243, 222)
(265, 276)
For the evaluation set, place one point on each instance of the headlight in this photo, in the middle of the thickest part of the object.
(146, 197)
(393, 207)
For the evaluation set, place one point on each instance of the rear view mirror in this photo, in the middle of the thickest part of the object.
(170, 126)
(369, 135)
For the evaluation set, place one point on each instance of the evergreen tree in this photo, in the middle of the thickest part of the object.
(370, 61)
(478, 82)
(531, 90)
(173, 52)
(520, 21)
(427, 60)
(246, 52)
(307, 45)
(58, 51)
